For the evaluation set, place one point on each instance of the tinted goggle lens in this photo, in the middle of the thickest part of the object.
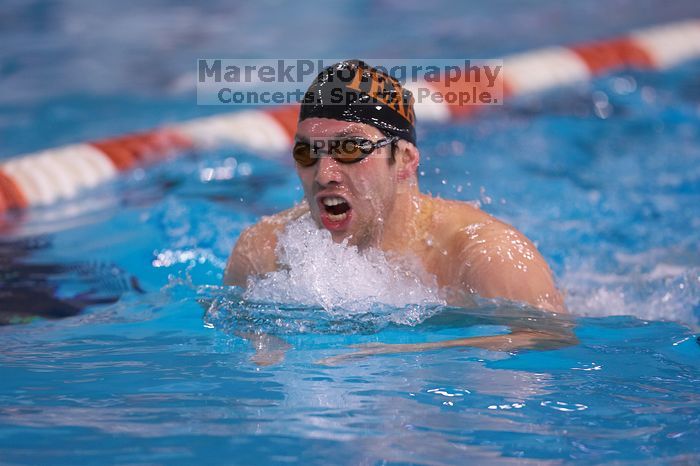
(346, 151)
(353, 150)
(302, 154)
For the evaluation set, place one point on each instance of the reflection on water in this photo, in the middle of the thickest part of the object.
(147, 370)
(228, 309)
(372, 409)
(33, 288)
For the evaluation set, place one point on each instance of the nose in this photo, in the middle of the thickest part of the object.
(328, 171)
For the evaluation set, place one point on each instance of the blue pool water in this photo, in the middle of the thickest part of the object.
(147, 367)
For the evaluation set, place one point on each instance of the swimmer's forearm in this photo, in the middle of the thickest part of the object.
(519, 339)
(269, 349)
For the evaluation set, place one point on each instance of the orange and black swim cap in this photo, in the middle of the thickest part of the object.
(354, 91)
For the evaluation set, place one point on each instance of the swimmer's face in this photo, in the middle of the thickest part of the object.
(350, 200)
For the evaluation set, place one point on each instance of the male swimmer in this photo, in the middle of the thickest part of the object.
(356, 155)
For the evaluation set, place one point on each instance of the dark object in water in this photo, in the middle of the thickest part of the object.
(30, 289)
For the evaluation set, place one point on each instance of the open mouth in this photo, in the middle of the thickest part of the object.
(336, 209)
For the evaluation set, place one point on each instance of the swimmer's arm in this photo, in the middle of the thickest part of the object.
(269, 349)
(253, 255)
(505, 264)
(518, 339)
(241, 263)
(522, 276)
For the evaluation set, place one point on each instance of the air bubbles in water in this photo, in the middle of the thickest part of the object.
(601, 105)
(484, 198)
(624, 85)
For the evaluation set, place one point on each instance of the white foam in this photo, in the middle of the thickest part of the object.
(316, 271)
(647, 289)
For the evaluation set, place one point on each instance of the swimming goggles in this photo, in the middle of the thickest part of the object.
(347, 150)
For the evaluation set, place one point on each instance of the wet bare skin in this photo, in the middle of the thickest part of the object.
(468, 251)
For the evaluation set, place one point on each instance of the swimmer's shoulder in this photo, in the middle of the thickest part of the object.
(460, 220)
(254, 252)
(466, 230)
(452, 216)
(494, 258)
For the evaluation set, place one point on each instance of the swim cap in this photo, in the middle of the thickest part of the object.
(354, 91)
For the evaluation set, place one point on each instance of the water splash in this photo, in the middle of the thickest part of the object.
(318, 272)
(658, 284)
(229, 312)
(325, 287)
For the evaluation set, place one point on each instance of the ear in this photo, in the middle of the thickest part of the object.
(407, 159)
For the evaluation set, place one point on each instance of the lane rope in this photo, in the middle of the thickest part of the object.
(47, 176)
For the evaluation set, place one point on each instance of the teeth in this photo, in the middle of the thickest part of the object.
(337, 218)
(331, 201)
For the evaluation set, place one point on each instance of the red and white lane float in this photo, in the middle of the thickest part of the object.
(48, 176)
